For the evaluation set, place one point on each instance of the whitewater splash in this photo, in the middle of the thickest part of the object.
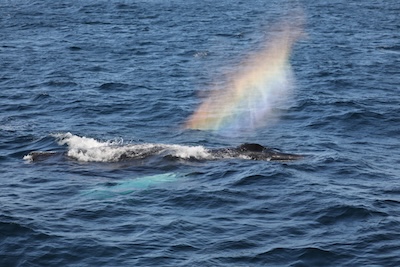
(249, 99)
(91, 150)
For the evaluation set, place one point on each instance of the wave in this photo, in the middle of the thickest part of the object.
(91, 150)
(348, 213)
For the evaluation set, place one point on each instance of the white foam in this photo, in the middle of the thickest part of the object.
(28, 158)
(88, 149)
(187, 152)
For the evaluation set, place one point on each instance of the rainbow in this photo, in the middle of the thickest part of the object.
(252, 94)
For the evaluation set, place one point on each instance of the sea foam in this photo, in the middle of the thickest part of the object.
(89, 149)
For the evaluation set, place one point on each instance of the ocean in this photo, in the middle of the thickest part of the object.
(106, 152)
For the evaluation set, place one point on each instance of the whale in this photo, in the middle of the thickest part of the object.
(246, 151)
(255, 151)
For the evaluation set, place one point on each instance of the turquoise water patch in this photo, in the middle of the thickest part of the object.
(126, 187)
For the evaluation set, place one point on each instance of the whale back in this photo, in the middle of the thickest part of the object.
(251, 147)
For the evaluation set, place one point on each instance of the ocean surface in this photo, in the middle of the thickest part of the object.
(96, 86)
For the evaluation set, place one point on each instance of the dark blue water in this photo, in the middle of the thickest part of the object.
(89, 79)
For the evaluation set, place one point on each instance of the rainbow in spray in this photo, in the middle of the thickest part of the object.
(251, 95)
